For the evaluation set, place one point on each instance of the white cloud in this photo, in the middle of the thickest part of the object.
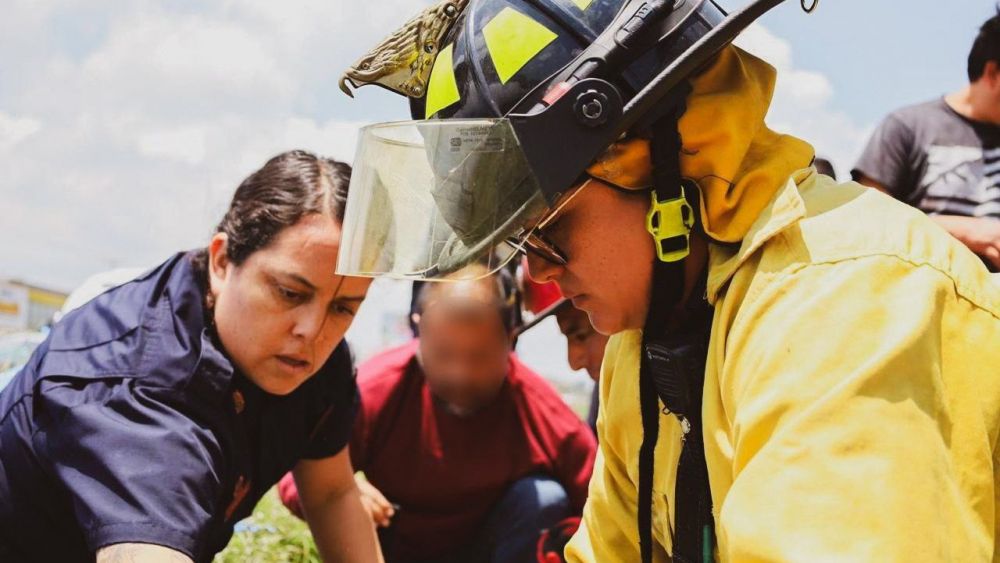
(15, 129)
(761, 42)
(184, 144)
(186, 61)
(130, 124)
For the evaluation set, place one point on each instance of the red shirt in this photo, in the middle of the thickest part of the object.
(446, 472)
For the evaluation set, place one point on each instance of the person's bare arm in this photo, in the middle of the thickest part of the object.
(341, 526)
(140, 553)
(980, 234)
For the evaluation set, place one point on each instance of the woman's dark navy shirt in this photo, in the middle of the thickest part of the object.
(129, 425)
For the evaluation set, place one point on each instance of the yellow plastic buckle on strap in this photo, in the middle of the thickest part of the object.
(669, 220)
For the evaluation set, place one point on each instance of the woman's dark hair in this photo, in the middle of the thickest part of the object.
(985, 48)
(286, 189)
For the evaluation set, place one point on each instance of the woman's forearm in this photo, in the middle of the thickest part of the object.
(342, 529)
(140, 552)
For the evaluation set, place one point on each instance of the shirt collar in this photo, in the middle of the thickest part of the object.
(214, 364)
(785, 209)
(184, 315)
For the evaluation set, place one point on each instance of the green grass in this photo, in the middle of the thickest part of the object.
(270, 535)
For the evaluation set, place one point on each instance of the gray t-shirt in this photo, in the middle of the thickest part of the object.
(933, 158)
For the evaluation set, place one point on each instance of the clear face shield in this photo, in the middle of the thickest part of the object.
(429, 198)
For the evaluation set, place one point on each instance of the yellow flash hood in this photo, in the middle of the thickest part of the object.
(736, 160)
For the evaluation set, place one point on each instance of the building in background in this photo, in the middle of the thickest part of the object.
(27, 307)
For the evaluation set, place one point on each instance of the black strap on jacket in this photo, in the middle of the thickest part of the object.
(672, 370)
(675, 373)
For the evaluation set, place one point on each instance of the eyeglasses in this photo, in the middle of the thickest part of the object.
(533, 240)
(537, 244)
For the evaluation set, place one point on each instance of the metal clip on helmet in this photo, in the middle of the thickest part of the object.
(513, 100)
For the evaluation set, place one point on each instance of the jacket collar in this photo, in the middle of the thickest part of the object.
(178, 313)
(784, 210)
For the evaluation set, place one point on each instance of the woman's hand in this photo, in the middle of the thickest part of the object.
(378, 507)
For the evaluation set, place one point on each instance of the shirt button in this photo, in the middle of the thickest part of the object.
(238, 402)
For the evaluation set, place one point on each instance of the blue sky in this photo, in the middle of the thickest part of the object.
(880, 54)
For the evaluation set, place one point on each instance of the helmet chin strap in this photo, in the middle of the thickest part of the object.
(672, 367)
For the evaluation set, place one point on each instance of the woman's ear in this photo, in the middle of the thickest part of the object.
(989, 74)
(218, 263)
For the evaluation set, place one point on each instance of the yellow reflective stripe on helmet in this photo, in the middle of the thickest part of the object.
(583, 4)
(442, 90)
(513, 39)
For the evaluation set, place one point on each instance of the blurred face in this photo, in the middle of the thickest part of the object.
(282, 311)
(610, 256)
(584, 345)
(464, 353)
